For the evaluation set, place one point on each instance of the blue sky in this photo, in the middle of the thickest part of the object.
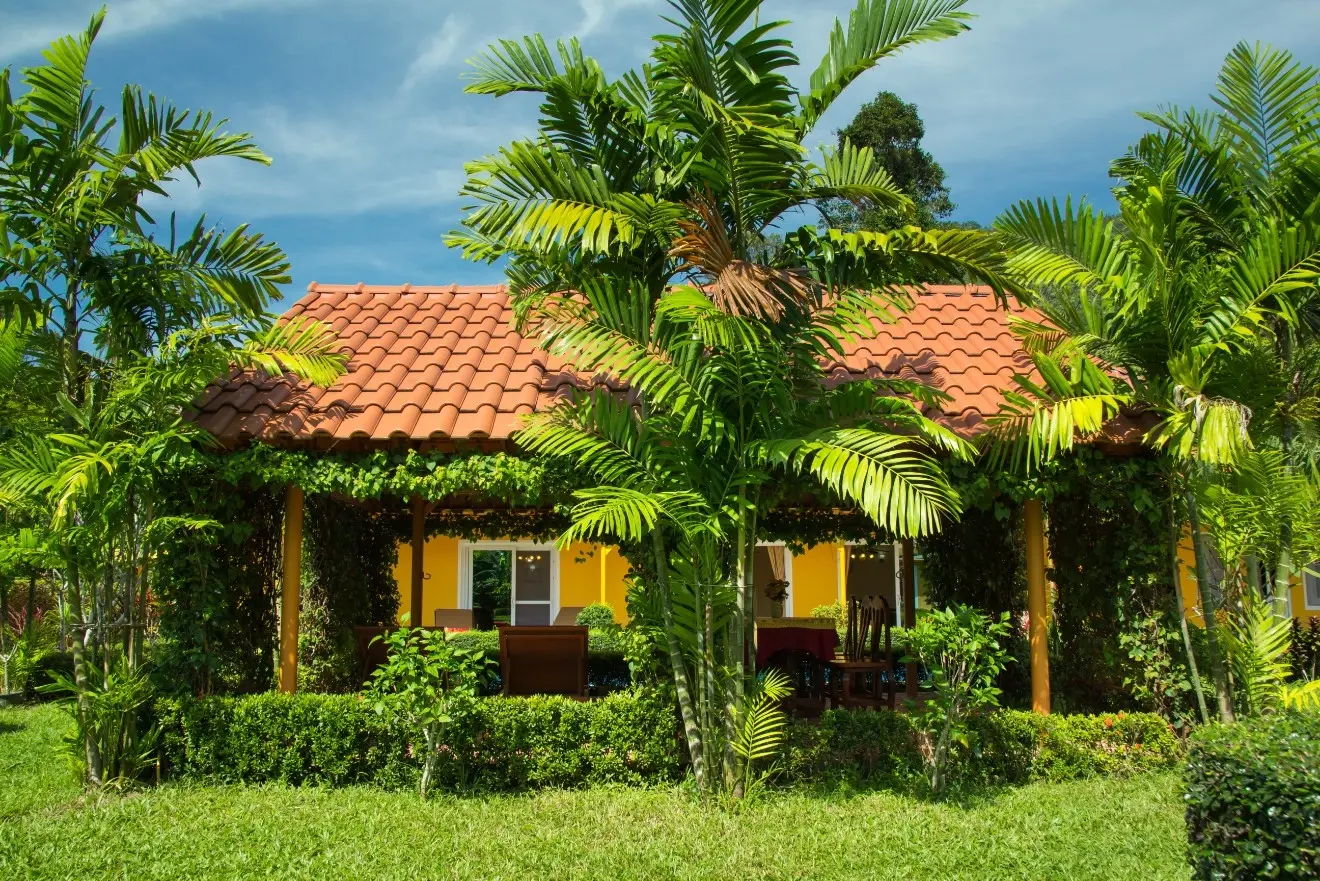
(361, 106)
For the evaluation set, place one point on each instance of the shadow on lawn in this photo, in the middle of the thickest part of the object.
(11, 727)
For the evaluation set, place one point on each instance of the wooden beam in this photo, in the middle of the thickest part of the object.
(291, 588)
(1037, 604)
(418, 561)
(910, 609)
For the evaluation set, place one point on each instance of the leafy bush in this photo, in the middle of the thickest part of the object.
(503, 744)
(597, 616)
(1253, 797)
(428, 684)
(963, 650)
(1005, 747)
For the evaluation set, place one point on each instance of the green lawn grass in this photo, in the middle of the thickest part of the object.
(1092, 829)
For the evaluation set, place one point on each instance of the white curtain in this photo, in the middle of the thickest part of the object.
(778, 555)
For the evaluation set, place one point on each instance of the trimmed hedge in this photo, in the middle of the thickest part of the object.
(1010, 747)
(508, 744)
(628, 738)
(1253, 798)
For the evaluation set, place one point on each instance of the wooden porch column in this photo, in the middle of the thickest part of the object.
(291, 588)
(418, 561)
(910, 609)
(1037, 602)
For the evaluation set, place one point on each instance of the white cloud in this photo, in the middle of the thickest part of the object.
(441, 51)
(124, 19)
(598, 13)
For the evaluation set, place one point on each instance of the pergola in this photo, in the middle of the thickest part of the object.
(442, 369)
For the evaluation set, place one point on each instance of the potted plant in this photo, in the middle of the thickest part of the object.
(777, 591)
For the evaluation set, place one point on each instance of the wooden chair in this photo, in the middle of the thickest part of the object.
(868, 627)
(805, 672)
(544, 660)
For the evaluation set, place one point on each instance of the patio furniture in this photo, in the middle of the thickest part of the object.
(543, 660)
(863, 659)
(455, 619)
(815, 635)
(804, 670)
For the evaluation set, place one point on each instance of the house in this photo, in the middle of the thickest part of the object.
(441, 368)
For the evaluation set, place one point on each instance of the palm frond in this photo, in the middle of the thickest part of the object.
(876, 28)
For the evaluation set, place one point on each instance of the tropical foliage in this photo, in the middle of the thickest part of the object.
(635, 227)
(1193, 311)
(114, 320)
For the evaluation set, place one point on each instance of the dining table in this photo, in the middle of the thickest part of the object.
(815, 635)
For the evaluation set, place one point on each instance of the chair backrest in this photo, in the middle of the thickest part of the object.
(454, 618)
(544, 660)
(868, 625)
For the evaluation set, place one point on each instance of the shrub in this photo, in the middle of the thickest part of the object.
(1253, 798)
(597, 616)
(503, 744)
(429, 685)
(1006, 747)
(963, 650)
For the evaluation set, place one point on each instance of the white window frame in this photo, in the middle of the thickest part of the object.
(1306, 599)
(465, 549)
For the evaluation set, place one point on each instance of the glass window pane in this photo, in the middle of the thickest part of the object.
(533, 581)
(1313, 587)
(531, 614)
(492, 579)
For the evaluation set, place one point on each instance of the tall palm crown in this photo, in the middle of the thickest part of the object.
(1215, 252)
(639, 232)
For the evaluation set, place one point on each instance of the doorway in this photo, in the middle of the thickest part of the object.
(509, 582)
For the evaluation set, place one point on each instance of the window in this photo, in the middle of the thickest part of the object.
(516, 582)
(1311, 586)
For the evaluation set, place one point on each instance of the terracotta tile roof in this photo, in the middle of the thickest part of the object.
(433, 365)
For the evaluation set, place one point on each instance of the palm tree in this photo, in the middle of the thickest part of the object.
(120, 322)
(634, 226)
(1175, 295)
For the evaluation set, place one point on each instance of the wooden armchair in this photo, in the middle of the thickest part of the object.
(867, 654)
(544, 660)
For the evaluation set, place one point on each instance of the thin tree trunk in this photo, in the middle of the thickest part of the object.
(29, 620)
(90, 746)
(1209, 611)
(1182, 613)
(691, 729)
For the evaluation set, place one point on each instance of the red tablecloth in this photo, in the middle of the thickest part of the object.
(820, 641)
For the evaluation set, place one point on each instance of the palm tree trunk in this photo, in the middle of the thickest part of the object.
(1182, 613)
(1209, 610)
(691, 729)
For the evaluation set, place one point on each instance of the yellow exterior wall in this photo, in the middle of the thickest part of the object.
(440, 589)
(815, 578)
(593, 574)
(1192, 599)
